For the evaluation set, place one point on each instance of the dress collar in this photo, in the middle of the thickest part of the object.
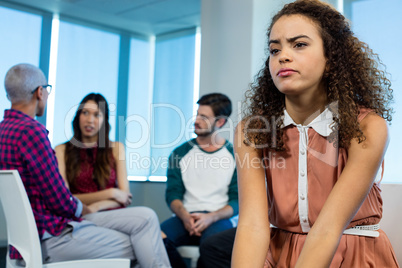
(321, 124)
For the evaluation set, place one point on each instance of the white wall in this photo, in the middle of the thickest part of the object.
(226, 48)
(152, 195)
(233, 44)
(392, 216)
(233, 41)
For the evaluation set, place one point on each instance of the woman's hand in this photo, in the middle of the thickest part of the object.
(124, 198)
(87, 210)
(103, 205)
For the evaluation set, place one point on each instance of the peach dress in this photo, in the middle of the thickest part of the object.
(299, 181)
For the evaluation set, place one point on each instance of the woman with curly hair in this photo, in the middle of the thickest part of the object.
(311, 146)
(94, 169)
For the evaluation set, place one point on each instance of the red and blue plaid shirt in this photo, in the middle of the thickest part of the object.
(24, 146)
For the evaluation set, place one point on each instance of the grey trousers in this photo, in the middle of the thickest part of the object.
(132, 233)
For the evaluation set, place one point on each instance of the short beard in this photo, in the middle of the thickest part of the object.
(205, 133)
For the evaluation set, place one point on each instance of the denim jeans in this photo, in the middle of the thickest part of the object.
(177, 233)
(216, 251)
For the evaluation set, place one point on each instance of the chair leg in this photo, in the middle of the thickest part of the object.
(174, 257)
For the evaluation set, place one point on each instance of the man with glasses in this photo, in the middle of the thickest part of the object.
(47, 87)
(24, 146)
(201, 181)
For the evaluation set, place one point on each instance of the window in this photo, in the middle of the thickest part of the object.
(161, 74)
(87, 62)
(173, 98)
(21, 35)
(160, 108)
(138, 148)
(376, 23)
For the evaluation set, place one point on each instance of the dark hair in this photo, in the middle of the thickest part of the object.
(219, 103)
(103, 161)
(352, 78)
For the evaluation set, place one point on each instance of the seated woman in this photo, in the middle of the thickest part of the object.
(94, 169)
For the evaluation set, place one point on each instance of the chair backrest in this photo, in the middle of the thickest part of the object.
(21, 227)
(392, 216)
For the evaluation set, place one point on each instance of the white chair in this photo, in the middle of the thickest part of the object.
(190, 252)
(23, 234)
(392, 216)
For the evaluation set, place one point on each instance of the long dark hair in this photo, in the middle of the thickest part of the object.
(353, 79)
(103, 161)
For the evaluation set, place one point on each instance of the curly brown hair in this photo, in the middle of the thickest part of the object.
(353, 79)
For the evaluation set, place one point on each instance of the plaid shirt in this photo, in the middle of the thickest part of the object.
(24, 146)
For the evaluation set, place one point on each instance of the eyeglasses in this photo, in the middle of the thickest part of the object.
(47, 87)
(204, 117)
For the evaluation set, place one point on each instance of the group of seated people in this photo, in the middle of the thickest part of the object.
(80, 194)
(309, 160)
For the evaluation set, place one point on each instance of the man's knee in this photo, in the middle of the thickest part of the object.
(208, 244)
(147, 214)
(173, 223)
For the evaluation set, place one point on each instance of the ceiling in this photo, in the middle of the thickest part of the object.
(144, 17)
